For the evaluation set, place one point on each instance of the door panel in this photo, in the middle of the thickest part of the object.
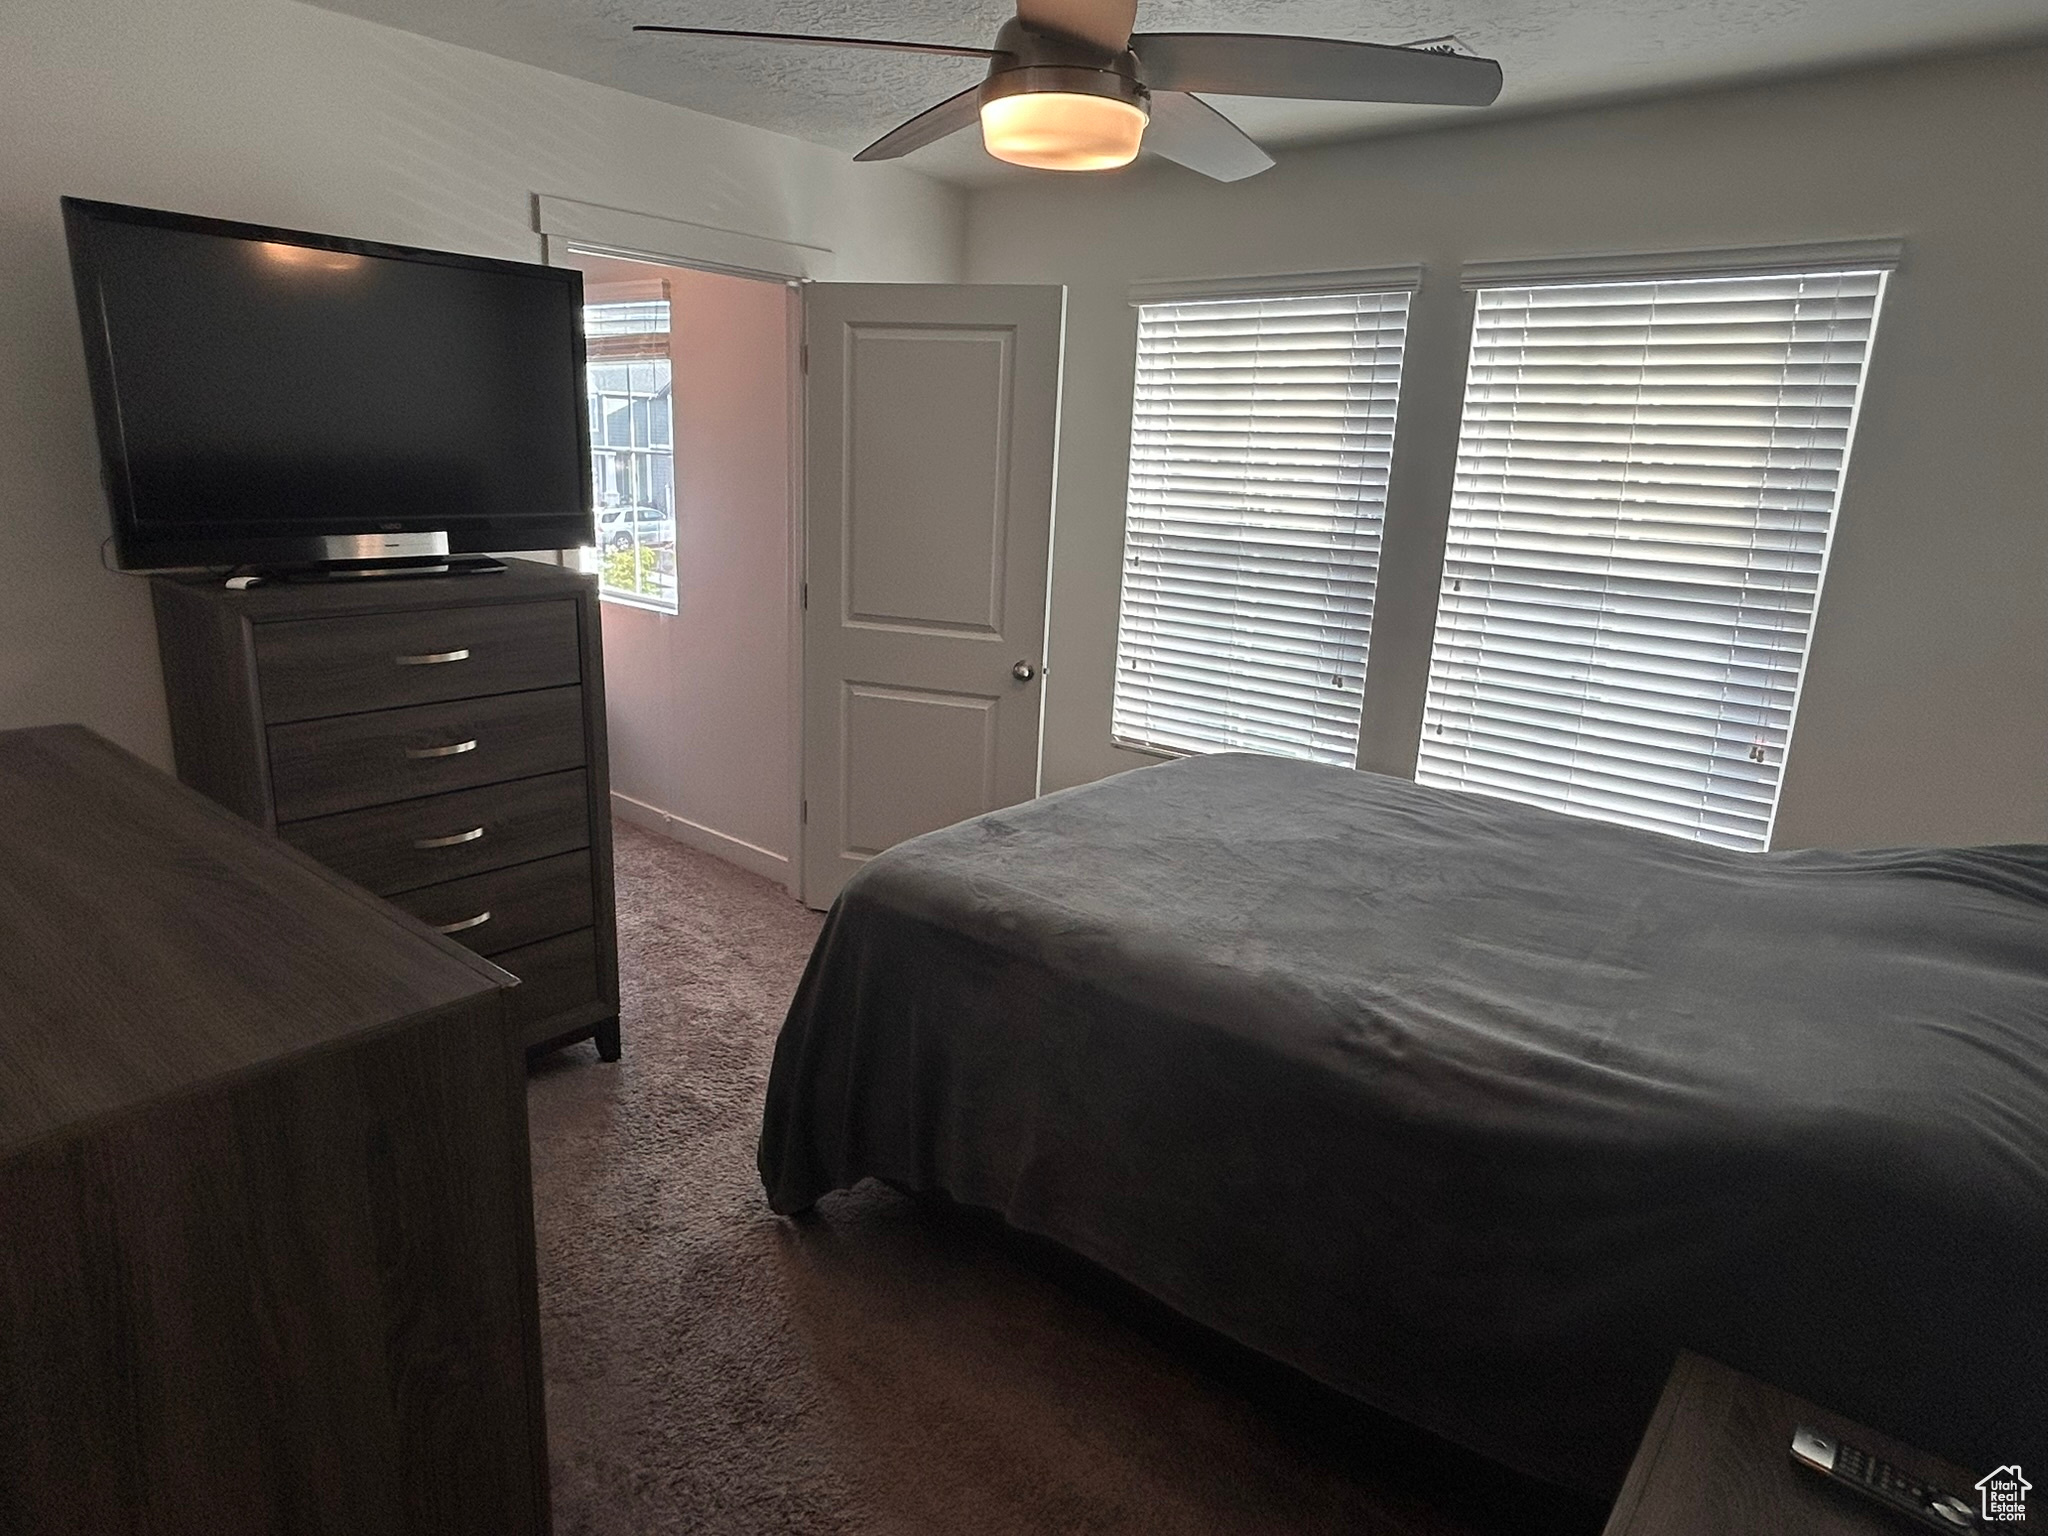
(913, 761)
(932, 415)
(927, 496)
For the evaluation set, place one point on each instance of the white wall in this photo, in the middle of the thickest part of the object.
(700, 700)
(1925, 712)
(279, 113)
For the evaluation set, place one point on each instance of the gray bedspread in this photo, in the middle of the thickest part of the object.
(1475, 1111)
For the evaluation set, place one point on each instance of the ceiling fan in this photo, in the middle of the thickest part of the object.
(1070, 87)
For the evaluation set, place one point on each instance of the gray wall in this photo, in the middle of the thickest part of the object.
(279, 113)
(1924, 715)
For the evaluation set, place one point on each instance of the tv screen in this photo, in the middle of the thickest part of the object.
(268, 395)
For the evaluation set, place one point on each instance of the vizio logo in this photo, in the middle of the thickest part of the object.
(2004, 1494)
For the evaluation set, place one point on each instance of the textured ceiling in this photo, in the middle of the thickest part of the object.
(1552, 51)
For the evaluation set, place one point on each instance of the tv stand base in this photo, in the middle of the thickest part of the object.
(370, 570)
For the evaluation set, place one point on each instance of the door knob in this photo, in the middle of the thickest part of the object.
(1023, 671)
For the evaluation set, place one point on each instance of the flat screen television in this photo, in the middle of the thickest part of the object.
(270, 397)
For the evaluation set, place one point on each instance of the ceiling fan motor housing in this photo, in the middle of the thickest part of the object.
(1029, 62)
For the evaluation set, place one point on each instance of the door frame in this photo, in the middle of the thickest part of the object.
(563, 224)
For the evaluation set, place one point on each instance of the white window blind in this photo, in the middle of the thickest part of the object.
(1647, 478)
(1261, 435)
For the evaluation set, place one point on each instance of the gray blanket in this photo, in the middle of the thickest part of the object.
(1475, 1111)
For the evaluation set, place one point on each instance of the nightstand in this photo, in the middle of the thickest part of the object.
(1716, 1461)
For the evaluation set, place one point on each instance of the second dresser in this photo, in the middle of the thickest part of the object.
(439, 741)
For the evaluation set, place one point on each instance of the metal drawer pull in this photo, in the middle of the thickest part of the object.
(454, 748)
(432, 658)
(450, 840)
(468, 922)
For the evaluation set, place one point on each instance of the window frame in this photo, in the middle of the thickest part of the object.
(1813, 261)
(1404, 281)
(626, 348)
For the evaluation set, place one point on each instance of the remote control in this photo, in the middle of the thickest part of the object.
(1881, 1482)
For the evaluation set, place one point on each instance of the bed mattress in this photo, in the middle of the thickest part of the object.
(1475, 1111)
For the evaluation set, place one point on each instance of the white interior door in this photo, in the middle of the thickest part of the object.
(931, 419)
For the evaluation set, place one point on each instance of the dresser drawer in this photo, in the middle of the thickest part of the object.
(319, 767)
(307, 668)
(392, 848)
(505, 908)
(555, 976)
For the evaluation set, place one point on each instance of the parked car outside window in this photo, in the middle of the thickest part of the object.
(616, 527)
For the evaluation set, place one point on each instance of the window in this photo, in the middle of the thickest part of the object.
(1261, 434)
(632, 448)
(1647, 479)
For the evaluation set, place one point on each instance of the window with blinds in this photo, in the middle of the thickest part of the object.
(1647, 478)
(1261, 434)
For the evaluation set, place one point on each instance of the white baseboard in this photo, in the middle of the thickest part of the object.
(734, 850)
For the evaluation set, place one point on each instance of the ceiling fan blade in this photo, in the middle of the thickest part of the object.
(814, 41)
(928, 127)
(1188, 131)
(1313, 68)
(1104, 23)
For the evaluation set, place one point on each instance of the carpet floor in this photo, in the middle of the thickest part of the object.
(888, 1367)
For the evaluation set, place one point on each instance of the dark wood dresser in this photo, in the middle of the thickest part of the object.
(440, 741)
(266, 1221)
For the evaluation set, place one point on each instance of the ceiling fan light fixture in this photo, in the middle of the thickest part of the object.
(1062, 131)
(1054, 118)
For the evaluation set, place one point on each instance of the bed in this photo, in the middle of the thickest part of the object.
(1474, 1111)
